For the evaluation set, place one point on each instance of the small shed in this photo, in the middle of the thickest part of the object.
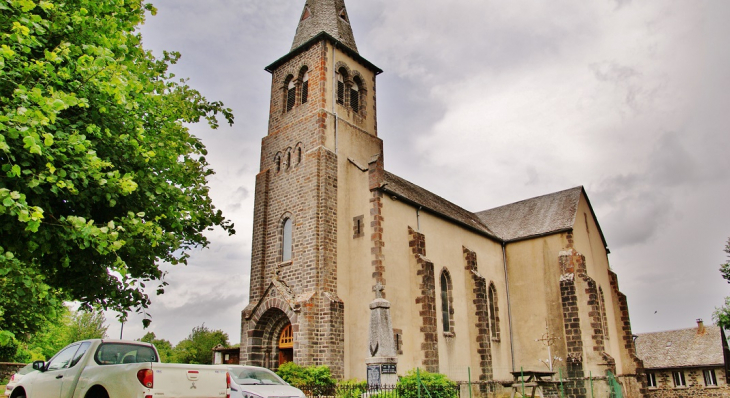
(226, 355)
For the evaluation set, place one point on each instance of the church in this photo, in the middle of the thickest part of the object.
(472, 294)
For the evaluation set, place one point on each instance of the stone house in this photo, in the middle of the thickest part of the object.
(690, 362)
(470, 292)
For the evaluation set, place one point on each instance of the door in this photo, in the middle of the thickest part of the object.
(71, 375)
(48, 383)
(286, 345)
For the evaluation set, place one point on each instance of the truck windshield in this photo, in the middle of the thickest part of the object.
(244, 375)
(120, 353)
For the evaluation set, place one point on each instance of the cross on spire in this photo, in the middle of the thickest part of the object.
(378, 289)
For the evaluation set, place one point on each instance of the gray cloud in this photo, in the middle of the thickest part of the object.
(486, 103)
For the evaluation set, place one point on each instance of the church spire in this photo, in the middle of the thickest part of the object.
(329, 16)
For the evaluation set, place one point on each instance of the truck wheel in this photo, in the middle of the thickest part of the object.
(97, 392)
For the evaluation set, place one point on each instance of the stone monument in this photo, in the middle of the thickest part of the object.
(382, 370)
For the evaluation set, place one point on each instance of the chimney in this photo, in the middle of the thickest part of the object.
(700, 326)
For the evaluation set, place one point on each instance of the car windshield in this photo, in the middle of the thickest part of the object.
(121, 353)
(243, 375)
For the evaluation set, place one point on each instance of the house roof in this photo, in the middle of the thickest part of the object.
(538, 216)
(431, 202)
(325, 16)
(680, 348)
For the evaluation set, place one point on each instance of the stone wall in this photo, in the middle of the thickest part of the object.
(427, 301)
(298, 182)
(696, 391)
(479, 293)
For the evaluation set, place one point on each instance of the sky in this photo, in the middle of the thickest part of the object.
(485, 103)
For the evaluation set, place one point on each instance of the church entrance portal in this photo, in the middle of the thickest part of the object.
(276, 342)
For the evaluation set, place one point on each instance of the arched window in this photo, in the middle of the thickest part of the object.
(277, 162)
(355, 95)
(341, 76)
(447, 312)
(604, 318)
(287, 159)
(305, 86)
(298, 154)
(493, 312)
(291, 94)
(286, 241)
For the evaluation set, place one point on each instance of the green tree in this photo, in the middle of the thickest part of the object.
(87, 325)
(46, 342)
(100, 179)
(71, 326)
(198, 346)
(721, 316)
(164, 348)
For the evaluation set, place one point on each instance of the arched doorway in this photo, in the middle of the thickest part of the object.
(286, 345)
(272, 340)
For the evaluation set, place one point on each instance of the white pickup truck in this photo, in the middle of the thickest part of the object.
(119, 369)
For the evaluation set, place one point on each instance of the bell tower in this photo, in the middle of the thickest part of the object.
(322, 121)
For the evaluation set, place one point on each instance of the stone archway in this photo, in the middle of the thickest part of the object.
(270, 326)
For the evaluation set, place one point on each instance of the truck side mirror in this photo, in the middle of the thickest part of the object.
(39, 366)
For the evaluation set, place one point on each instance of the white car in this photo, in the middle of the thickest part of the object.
(118, 369)
(15, 378)
(255, 382)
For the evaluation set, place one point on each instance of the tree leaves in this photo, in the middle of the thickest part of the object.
(197, 347)
(721, 316)
(100, 181)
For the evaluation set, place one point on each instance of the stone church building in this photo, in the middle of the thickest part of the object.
(469, 291)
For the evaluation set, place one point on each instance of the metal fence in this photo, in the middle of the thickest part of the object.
(358, 390)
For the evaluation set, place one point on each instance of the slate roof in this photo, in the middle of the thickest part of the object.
(538, 216)
(413, 193)
(680, 348)
(542, 215)
(328, 16)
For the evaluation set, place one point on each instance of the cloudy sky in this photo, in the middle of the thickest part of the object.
(485, 103)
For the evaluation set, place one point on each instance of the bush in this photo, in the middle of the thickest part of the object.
(438, 385)
(313, 380)
(351, 388)
(292, 374)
